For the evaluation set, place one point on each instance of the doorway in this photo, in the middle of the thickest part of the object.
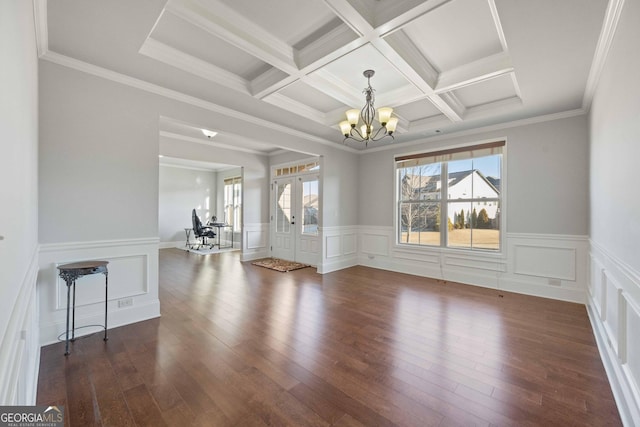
(295, 218)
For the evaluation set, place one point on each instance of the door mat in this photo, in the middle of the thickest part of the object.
(279, 264)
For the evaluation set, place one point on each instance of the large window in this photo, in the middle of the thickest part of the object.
(451, 198)
(233, 202)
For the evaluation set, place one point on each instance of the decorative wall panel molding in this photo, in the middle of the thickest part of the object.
(255, 244)
(339, 248)
(133, 276)
(543, 261)
(613, 304)
(20, 347)
(488, 269)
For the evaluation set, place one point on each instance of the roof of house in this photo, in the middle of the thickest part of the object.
(429, 184)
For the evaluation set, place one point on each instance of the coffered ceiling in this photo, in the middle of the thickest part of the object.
(443, 65)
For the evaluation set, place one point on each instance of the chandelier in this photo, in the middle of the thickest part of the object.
(366, 132)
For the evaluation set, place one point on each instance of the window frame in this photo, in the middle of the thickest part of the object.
(444, 199)
(236, 205)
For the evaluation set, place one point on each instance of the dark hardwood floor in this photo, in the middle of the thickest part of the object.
(245, 346)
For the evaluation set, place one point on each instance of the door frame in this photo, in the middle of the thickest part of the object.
(286, 171)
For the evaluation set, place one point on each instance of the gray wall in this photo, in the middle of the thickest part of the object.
(180, 191)
(255, 184)
(98, 159)
(546, 170)
(18, 202)
(615, 145)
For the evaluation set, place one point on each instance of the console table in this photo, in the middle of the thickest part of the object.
(70, 273)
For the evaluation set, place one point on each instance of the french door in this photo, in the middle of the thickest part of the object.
(294, 219)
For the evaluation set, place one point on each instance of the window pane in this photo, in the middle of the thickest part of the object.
(470, 191)
(420, 223)
(310, 207)
(486, 224)
(283, 207)
(420, 182)
(459, 235)
(460, 179)
(489, 168)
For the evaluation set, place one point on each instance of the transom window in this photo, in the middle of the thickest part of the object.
(451, 198)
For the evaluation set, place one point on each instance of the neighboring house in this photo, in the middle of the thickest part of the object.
(469, 184)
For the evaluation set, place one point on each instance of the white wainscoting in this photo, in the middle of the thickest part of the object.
(133, 275)
(20, 346)
(547, 265)
(255, 243)
(552, 266)
(613, 303)
(339, 248)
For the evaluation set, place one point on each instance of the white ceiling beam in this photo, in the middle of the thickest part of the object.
(185, 62)
(232, 27)
(270, 82)
(452, 100)
(474, 72)
(404, 46)
(329, 46)
(493, 107)
(335, 87)
(358, 23)
(415, 78)
(296, 107)
(350, 16)
(392, 18)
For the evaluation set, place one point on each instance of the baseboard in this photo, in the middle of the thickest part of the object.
(345, 262)
(167, 245)
(117, 318)
(253, 255)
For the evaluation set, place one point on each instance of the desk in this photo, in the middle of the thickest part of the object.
(187, 231)
(70, 273)
(220, 226)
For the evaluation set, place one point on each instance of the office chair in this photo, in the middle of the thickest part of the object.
(200, 231)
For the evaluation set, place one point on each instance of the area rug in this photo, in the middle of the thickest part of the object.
(279, 264)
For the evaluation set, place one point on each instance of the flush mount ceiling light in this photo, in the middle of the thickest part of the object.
(209, 133)
(367, 115)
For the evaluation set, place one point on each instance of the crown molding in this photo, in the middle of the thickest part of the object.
(193, 168)
(95, 70)
(506, 125)
(609, 26)
(41, 26)
(208, 143)
(482, 110)
(496, 22)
